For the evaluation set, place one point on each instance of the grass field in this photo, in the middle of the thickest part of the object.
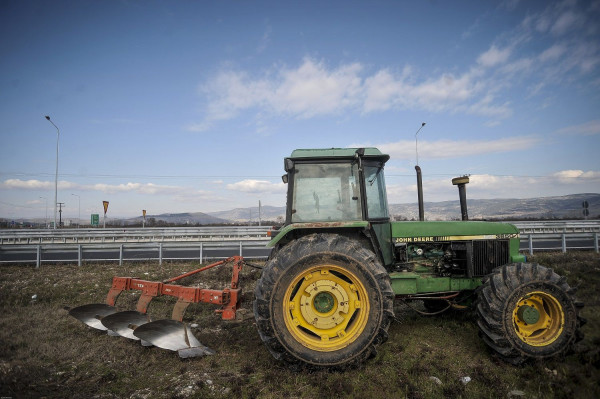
(46, 353)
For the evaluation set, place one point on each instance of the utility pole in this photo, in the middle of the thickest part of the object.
(60, 204)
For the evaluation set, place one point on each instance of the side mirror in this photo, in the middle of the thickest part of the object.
(284, 179)
(288, 164)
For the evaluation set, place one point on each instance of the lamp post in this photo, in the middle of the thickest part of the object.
(416, 142)
(56, 175)
(46, 218)
(419, 179)
(79, 204)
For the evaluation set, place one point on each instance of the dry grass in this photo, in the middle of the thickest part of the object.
(46, 353)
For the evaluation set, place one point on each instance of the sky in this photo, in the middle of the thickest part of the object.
(191, 106)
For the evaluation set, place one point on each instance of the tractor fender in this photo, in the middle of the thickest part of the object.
(357, 229)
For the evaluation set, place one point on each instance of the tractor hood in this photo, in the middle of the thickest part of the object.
(450, 231)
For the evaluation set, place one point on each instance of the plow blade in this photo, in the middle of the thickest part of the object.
(172, 335)
(124, 323)
(167, 334)
(92, 314)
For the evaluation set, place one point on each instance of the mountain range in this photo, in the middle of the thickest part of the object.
(562, 207)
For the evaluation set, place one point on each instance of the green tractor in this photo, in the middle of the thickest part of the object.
(326, 294)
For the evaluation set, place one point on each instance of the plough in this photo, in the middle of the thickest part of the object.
(171, 334)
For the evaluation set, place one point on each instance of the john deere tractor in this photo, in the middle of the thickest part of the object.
(326, 294)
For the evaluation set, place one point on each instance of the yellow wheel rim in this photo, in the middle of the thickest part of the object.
(326, 308)
(538, 319)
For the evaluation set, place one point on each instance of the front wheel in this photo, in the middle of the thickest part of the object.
(527, 311)
(323, 300)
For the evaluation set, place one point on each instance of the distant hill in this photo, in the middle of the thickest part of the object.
(244, 214)
(181, 218)
(563, 207)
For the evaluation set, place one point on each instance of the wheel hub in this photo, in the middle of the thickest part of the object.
(538, 319)
(324, 302)
(326, 308)
(528, 314)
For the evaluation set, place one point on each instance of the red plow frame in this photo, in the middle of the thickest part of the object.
(170, 334)
(228, 298)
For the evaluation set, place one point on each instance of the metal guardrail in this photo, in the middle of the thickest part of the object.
(563, 238)
(562, 226)
(158, 243)
(224, 233)
(175, 234)
(129, 252)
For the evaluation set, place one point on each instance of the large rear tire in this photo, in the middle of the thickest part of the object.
(323, 300)
(527, 311)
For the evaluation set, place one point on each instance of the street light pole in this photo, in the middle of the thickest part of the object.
(416, 142)
(56, 175)
(79, 217)
(46, 218)
(419, 179)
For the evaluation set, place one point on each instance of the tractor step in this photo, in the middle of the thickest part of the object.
(168, 334)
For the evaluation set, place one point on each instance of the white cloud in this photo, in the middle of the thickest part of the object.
(553, 53)
(310, 90)
(585, 129)
(405, 149)
(485, 186)
(141, 188)
(494, 56)
(314, 89)
(27, 184)
(257, 186)
(486, 107)
(565, 22)
(384, 91)
(576, 176)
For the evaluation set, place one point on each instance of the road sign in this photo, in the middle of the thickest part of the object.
(95, 220)
(105, 203)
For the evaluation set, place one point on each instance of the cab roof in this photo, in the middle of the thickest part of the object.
(329, 153)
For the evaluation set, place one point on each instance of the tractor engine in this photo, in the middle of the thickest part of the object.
(453, 258)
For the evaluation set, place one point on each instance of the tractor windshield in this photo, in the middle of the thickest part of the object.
(375, 189)
(326, 192)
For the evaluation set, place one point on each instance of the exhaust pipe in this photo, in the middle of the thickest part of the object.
(420, 193)
(462, 182)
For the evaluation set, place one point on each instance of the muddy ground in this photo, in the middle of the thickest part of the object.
(46, 353)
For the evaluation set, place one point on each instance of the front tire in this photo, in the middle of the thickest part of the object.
(527, 311)
(323, 300)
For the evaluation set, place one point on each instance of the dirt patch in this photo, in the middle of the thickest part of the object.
(46, 353)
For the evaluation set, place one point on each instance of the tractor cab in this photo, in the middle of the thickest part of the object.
(336, 185)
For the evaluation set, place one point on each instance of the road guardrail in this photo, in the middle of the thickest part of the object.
(201, 243)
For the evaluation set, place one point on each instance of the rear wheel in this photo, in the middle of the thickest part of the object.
(527, 311)
(323, 300)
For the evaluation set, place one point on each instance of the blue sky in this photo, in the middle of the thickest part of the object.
(177, 106)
